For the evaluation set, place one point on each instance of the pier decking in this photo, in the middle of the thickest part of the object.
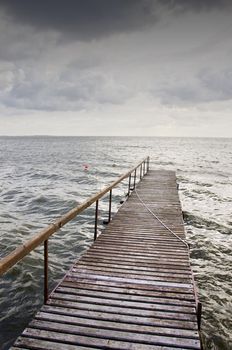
(132, 289)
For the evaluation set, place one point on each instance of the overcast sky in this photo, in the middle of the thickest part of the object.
(116, 67)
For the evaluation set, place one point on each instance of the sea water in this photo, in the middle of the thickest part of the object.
(43, 177)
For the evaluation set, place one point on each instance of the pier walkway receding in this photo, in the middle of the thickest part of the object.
(132, 289)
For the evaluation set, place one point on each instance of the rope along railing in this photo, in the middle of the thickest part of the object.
(42, 237)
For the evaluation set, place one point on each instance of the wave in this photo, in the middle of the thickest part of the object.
(200, 222)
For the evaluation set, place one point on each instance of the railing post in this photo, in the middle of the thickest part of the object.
(135, 178)
(96, 219)
(140, 174)
(199, 311)
(148, 160)
(129, 185)
(45, 271)
(143, 167)
(110, 201)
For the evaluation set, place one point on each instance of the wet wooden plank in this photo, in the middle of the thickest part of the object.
(125, 293)
(164, 314)
(113, 343)
(119, 273)
(107, 315)
(40, 344)
(186, 292)
(118, 335)
(150, 271)
(138, 269)
(123, 303)
(138, 252)
(161, 245)
(120, 326)
(140, 263)
(140, 259)
(119, 295)
(112, 277)
(178, 277)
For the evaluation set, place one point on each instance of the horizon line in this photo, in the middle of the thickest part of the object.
(124, 136)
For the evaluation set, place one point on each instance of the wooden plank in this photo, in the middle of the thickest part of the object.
(121, 335)
(143, 238)
(120, 326)
(123, 303)
(119, 295)
(134, 290)
(137, 252)
(186, 292)
(107, 315)
(123, 310)
(159, 240)
(151, 271)
(112, 277)
(101, 342)
(140, 263)
(119, 273)
(163, 245)
(128, 293)
(140, 258)
(142, 269)
(40, 344)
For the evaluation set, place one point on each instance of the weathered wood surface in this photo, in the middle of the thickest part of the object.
(133, 289)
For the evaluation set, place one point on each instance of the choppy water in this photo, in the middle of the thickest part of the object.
(43, 177)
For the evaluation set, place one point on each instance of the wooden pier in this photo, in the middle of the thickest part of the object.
(132, 289)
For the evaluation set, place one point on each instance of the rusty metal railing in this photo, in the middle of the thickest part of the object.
(42, 237)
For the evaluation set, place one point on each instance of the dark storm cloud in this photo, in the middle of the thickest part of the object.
(83, 19)
(197, 5)
(91, 19)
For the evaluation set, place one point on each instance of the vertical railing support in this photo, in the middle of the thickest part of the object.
(110, 202)
(129, 185)
(199, 312)
(45, 271)
(135, 178)
(96, 219)
(143, 167)
(148, 161)
(140, 173)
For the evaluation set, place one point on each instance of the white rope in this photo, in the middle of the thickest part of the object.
(160, 221)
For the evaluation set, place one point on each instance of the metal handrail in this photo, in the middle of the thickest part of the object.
(42, 237)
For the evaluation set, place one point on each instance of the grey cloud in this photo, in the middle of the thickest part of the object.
(180, 94)
(207, 86)
(218, 83)
(198, 5)
(64, 94)
(22, 43)
(46, 76)
(91, 19)
(82, 19)
(84, 62)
